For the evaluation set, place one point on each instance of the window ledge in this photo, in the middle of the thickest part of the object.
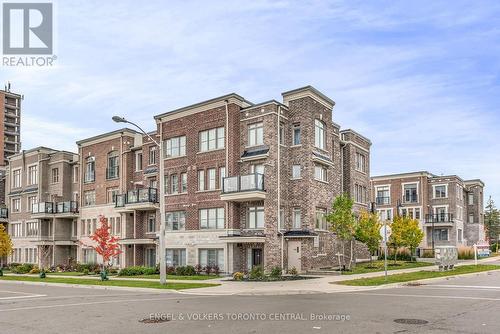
(297, 145)
(295, 178)
(207, 191)
(325, 182)
(214, 150)
(176, 157)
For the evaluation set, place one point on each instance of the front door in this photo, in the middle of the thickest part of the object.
(256, 257)
(294, 255)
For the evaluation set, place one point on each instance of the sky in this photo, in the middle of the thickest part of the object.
(419, 78)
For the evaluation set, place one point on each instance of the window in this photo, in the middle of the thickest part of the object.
(413, 213)
(255, 134)
(297, 218)
(383, 195)
(16, 205)
(31, 229)
(16, 230)
(319, 134)
(212, 139)
(16, 178)
(360, 193)
(441, 213)
(256, 217)
(76, 175)
(138, 161)
(32, 175)
(212, 257)
(151, 226)
(74, 228)
(321, 223)
(410, 193)
(212, 218)
(174, 184)
(471, 198)
(201, 180)
(282, 134)
(211, 179)
(471, 218)
(117, 227)
(32, 200)
(55, 175)
(176, 221)
(222, 175)
(440, 191)
(89, 255)
(281, 222)
(153, 153)
(360, 162)
(112, 193)
(89, 198)
(112, 171)
(175, 257)
(295, 171)
(175, 147)
(296, 134)
(441, 234)
(90, 170)
(257, 169)
(320, 173)
(184, 182)
(460, 235)
(385, 214)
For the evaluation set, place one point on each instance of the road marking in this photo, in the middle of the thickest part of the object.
(93, 303)
(18, 292)
(423, 296)
(27, 295)
(464, 286)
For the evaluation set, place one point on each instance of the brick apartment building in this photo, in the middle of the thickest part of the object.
(245, 184)
(449, 209)
(42, 193)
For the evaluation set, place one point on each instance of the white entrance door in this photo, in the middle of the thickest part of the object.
(294, 254)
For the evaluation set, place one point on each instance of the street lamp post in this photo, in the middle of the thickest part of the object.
(161, 186)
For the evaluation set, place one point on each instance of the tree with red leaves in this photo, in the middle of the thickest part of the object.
(105, 244)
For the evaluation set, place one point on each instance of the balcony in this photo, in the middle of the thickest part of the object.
(243, 188)
(410, 199)
(383, 200)
(112, 173)
(43, 207)
(67, 208)
(440, 219)
(58, 239)
(138, 199)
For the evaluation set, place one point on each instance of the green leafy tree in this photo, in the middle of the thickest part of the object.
(492, 221)
(411, 235)
(5, 245)
(396, 239)
(343, 223)
(368, 231)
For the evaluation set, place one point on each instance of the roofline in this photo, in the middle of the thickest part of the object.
(357, 133)
(474, 181)
(31, 150)
(399, 175)
(263, 104)
(311, 88)
(10, 93)
(107, 134)
(202, 103)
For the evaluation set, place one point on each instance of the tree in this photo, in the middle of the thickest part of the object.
(343, 223)
(396, 238)
(492, 221)
(368, 231)
(412, 235)
(5, 246)
(105, 244)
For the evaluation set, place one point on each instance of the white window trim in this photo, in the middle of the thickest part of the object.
(413, 207)
(137, 153)
(403, 190)
(435, 207)
(20, 178)
(28, 174)
(383, 186)
(439, 185)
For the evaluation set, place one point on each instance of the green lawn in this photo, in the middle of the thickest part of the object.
(124, 283)
(363, 268)
(176, 277)
(407, 277)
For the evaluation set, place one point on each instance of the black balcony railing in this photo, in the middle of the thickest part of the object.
(67, 207)
(142, 195)
(240, 183)
(439, 218)
(410, 199)
(43, 207)
(4, 213)
(383, 200)
(112, 172)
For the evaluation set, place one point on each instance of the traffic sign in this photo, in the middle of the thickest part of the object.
(385, 233)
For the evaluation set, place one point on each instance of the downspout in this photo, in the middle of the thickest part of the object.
(279, 186)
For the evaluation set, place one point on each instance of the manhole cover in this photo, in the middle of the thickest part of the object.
(153, 320)
(411, 321)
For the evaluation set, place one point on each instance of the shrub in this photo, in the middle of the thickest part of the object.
(216, 270)
(238, 276)
(256, 273)
(493, 247)
(149, 271)
(35, 270)
(403, 254)
(22, 269)
(207, 269)
(85, 271)
(198, 269)
(133, 271)
(90, 267)
(427, 253)
(276, 272)
(293, 272)
(180, 271)
(465, 253)
(189, 271)
(170, 270)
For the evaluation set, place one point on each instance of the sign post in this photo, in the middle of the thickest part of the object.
(385, 233)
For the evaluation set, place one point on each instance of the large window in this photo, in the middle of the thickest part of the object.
(32, 200)
(33, 175)
(112, 193)
(16, 205)
(321, 223)
(113, 163)
(319, 134)
(151, 226)
(212, 257)
(471, 198)
(360, 162)
(320, 173)
(90, 169)
(55, 175)
(89, 198)
(184, 182)
(176, 221)
(138, 161)
(256, 217)
(153, 154)
(16, 230)
(296, 134)
(175, 257)
(360, 193)
(255, 134)
(174, 184)
(212, 139)
(413, 213)
(211, 179)
(297, 218)
(385, 214)
(441, 234)
(212, 218)
(441, 191)
(383, 195)
(410, 193)
(115, 226)
(175, 147)
(89, 255)
(295, 171)
(201, 180)
(16, 178)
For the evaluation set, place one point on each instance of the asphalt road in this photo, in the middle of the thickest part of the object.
(456, 305)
